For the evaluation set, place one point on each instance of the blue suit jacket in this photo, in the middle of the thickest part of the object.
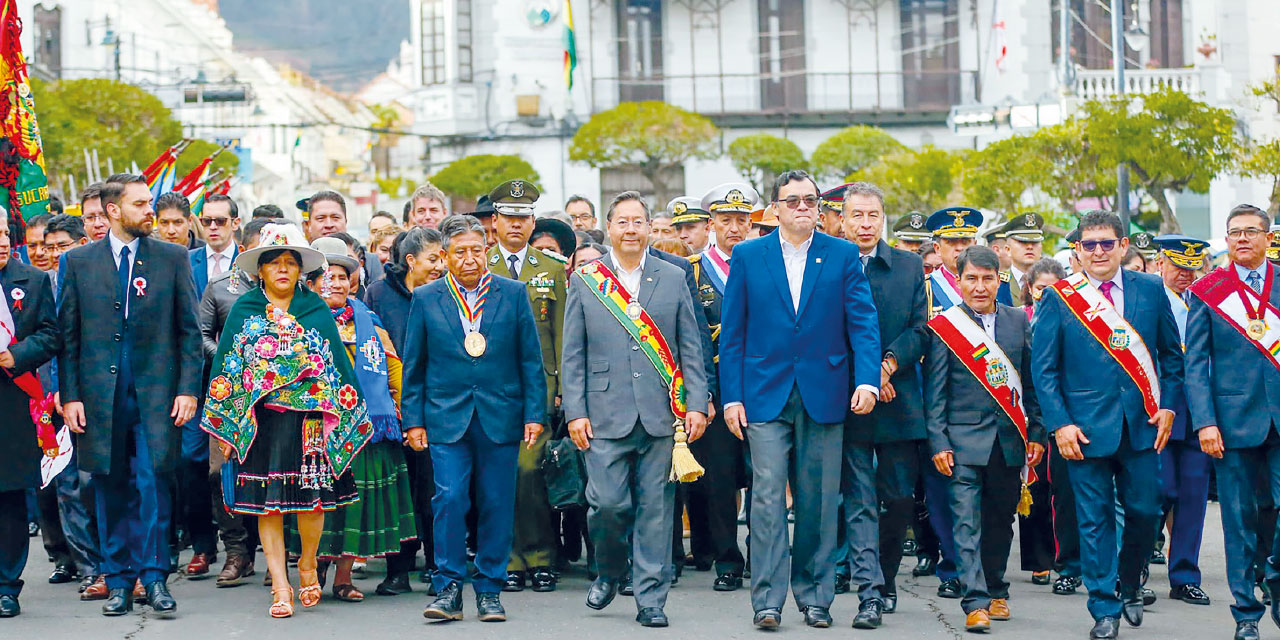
(200, 267)
(443, 386)
(1230, 384)
(766, 348)
(1079, 383)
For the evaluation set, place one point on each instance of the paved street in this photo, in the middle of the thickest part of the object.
(53, 612)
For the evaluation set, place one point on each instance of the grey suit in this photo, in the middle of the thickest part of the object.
(989, 453)
(607, 378)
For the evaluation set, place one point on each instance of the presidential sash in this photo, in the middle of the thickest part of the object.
(1116, 336)
(984, 358)
(609, 290)
(1240, 305)
(717, 269)
(942, 286)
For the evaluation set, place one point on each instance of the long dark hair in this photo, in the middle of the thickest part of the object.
(1041, 267)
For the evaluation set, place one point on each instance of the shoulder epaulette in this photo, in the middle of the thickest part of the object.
(1005, 276)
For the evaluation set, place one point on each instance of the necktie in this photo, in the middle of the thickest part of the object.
(1186, 297)
(865, 260)
(513, 263)
(123, 274)
(1255, 281)
(1106, 288)
(217, 263)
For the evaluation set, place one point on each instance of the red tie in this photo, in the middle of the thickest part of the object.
(1106, 288)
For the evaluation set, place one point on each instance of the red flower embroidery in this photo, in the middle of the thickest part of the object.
(363, 428)
(349, 447)
(347, 397)
(219, 388)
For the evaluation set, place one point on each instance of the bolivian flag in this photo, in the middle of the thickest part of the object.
(570, 46)
(981, 352)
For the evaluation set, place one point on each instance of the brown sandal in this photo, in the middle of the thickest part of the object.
(309, 588)
(347, 593)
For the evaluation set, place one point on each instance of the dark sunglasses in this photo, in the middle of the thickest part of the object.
(1090, 245)
(214, 222)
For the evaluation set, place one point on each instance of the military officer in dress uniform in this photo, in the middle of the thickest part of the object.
(1024, 244)
(829, 203)
(534, 543)
(713, 511)
(910, 233)
(1145, 244)
(692, 223)
(996, 241)
(1184, 468)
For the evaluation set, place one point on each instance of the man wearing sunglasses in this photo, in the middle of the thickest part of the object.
(220, 219)
(1107, 365)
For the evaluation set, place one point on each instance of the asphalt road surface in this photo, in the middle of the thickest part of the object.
(54, 611)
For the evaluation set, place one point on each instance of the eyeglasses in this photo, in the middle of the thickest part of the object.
(95, 216)
(793, 202)
(61, 246)
(215, 222)
(1248, 233)
(1091, 245)
(583, 216)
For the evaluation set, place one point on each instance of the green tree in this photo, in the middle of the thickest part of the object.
(1169, 140)
(851, 150)
(761, 157)
(923, 180)
(118, 120)
(1262, 161)
(654, 137)
(473, 176)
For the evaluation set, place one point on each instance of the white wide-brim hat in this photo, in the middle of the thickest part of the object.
(281, 236)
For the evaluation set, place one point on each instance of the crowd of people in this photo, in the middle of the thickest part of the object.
(509, 394)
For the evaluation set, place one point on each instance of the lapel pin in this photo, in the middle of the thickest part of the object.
(648, 279)
(140, 286)
(818, 260)
(17, 295)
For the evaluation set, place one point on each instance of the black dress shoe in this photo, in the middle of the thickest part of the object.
(1148, 596)
(33, 529)
(161, 601)
(1105, 629)
(625, 587)
(394, 585)
(601, 593)
(1157, 557)
(817, 617)
(1247, 630)
(767, 619)
(925, 566)
(1041, 578)
(9, 606)
(1189, 593)
(909, 547)
(1066, 585)
(119, 602)
(447, 605)
(62, 575)
(515, 582)
(1132, 611)
(949, 589)
(891, 603)
(727, 582)
(543, 580)
(489, 608)
(652, 617)
(869, 614)
(842, 583)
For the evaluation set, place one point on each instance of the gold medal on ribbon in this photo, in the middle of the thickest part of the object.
(634, 310)
(1257, 328)
(475, 344)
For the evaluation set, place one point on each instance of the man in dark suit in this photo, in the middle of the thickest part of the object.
(1107, 364)
(129, 372)
(799, 348)
(474, 387)
(881, 449)
(30, 338)
(619, 404)
(1233, 390)
(984, 425)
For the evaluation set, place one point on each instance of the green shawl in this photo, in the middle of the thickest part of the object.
(286, 361)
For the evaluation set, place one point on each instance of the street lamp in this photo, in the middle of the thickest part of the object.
(1136, 37)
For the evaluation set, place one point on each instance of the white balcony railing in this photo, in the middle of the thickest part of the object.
(1092, 84)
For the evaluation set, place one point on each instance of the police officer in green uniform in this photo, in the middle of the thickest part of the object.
(1024, 242)
(534, 542)
(1145, 244)
(909, 232)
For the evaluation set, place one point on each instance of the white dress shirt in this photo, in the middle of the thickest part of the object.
(116, 245)
(1117, 292)
(1017, 276)
(212, 267)
(506, 258)
(631, 279)
(794, 258)
(988, 323)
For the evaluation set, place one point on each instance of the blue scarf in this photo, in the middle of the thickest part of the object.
(371, 371)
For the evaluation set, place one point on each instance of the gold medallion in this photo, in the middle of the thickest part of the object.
(634, 310)
(1257, 328)
(474, 344)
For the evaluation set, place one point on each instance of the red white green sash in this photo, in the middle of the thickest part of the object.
(1116, 336)
(609, 290)
(1221, 291)
(984, 358)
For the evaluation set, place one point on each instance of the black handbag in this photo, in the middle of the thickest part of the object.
(565, 475)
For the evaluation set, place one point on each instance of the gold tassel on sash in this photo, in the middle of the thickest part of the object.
(1024, 501)
(684, 467)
